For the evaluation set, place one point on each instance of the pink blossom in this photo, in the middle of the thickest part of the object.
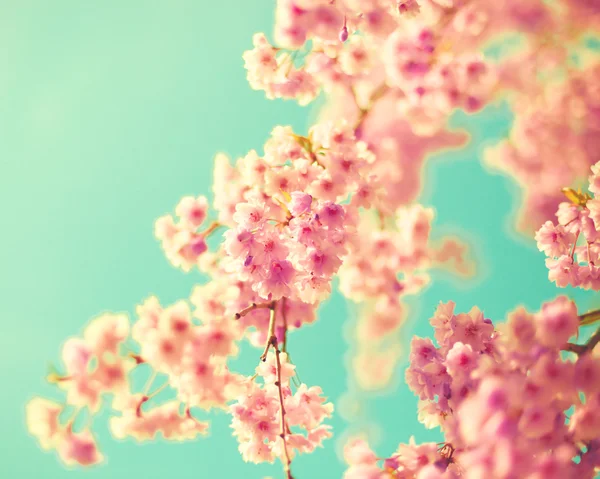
(192, 210)
(300, 204)
(553, 240)
(79, 448)
(557, 322)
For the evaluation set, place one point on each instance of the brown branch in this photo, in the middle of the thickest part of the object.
(589, 317)
(138, 359)
(591, 343)
(271, 337)
(283, 426)
(272, 342)
(285, 326)
(251, 308)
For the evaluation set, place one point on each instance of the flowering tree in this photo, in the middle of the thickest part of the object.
(514, 400)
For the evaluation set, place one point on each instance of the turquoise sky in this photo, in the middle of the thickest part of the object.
(110, 112)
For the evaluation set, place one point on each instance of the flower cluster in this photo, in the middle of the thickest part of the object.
(303, 213)
(552, 143)
(573, 244)
(426, 58)
(256, 414)
(193, 356)
(387, 264)
(94, 366)
(295, 258)
(181, 240)
(509, 401)
(190, 356)
(43, 422)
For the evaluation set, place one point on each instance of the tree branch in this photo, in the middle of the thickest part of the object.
(251, 308)
(283, 429)
(579, 349)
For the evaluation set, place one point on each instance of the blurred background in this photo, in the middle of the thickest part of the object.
(109, 113)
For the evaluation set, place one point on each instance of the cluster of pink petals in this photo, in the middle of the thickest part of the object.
(192, 355)
(431, 84)
(295, 258)
(572, 245)
(510, 402)
(300, 214)
(168, 419)
(182, 242)
(423, 59)
(256, 415)
(553, 143)
(289, 232)
(273, 71)
(189, 353)
(94, 366)
(225, 295)
(73, 448)
(410, 461)
(387, 264)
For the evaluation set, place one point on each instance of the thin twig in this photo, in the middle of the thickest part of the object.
(251, 308)
(159, 390)
(285, 326)
(284, 429)
(271, 337)
(589, 318)
(283, 426)
(149, 383)
(591, 343)
(572, 255)
(212, 227)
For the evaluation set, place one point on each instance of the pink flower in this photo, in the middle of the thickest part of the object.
(537, 421)
(79, 448)
(239, 243)
(76, 356)
(553, 240)
(357, 451)
(460, 360)
(331, 215)
(300, 204)
(422, 352)
(42, 417)
(557, 322)
(595, 179)
(278, 280)
(568, 216)
(192, 211)
(563, 271)
(594, 211)
(249, 215)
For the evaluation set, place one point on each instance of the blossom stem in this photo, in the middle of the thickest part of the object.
(211, 228)
(149, 383)
(271, 338)
(272, 342)
(251, 308)
(138, 359)
(594, 339)
(572, 255)
(282, 434)
(589, 317)
(284, 319)
(159, 390)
